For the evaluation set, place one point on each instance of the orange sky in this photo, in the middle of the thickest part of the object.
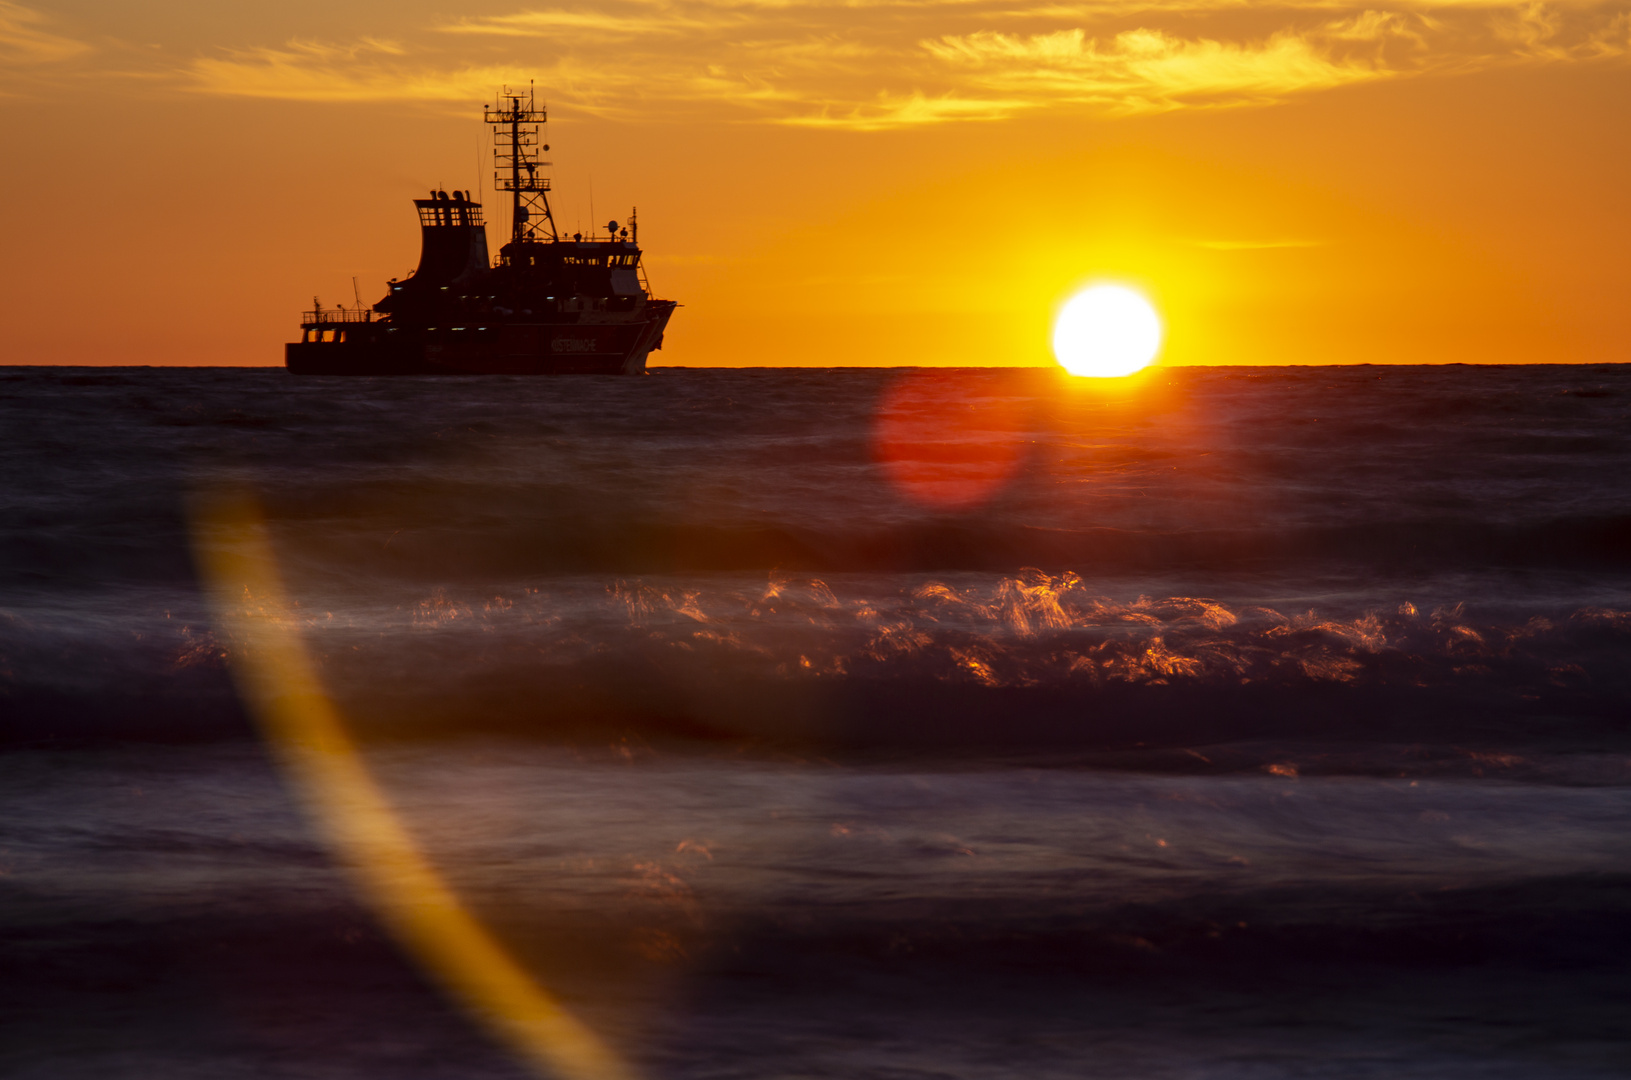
(858, 182)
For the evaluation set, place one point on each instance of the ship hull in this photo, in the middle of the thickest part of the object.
(578, 348)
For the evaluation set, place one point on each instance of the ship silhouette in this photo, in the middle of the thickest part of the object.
(549, 305)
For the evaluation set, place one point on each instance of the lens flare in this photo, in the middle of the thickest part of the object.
(282, 689)
(947, 452)
(1106, 331)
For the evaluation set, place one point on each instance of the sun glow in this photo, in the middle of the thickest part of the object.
(1106, 331)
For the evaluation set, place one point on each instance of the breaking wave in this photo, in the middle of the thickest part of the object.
(967, 661)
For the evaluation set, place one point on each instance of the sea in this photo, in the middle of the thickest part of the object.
(1235, 723)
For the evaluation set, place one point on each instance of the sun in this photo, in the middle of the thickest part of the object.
(1106, 331)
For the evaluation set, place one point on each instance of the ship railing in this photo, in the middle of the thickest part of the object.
(329, 316)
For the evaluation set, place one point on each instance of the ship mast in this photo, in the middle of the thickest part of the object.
(517, 121)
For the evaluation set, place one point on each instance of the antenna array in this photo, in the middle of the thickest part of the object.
(517, 141)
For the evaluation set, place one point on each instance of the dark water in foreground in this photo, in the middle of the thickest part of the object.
(1241, 723)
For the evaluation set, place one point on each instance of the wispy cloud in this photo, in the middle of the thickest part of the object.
(1613, 39)
(537, 24)
(908, 111)
(1142, 70)
(323, 71)
(1255, 245)
(24, 38)
(880, 64)
(306, 71)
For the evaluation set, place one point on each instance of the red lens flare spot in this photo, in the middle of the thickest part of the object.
(944, 449)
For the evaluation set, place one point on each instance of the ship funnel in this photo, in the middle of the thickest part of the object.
(452, 240)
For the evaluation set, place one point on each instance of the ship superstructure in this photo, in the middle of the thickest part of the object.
(549, 304)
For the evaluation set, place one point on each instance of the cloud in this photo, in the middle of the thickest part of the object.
(1255, 245)
(370, 71)
(1532, 29)
(881, 64)
(24, 41)
(1143, 70)
(909, 111)
(554, 22)
(1379, 26)
(1613, 39)
(318, 71)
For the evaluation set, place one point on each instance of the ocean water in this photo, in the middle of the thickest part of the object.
(1237, 723)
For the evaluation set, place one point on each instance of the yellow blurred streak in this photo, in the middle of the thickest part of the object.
(276, 678)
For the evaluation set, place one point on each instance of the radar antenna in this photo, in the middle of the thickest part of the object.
(517, 122)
